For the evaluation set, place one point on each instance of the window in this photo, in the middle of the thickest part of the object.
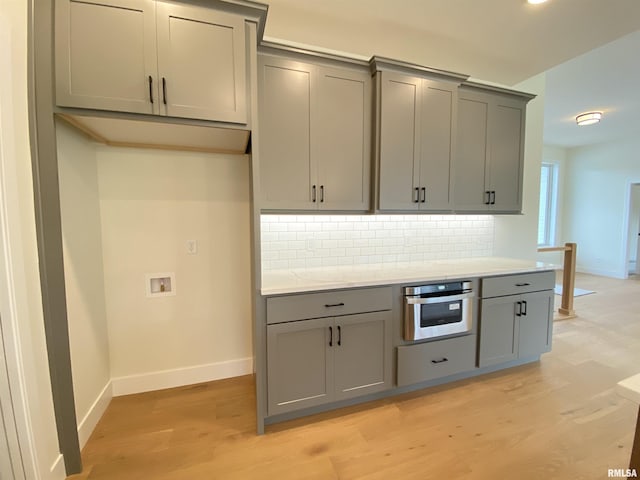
(548, 194)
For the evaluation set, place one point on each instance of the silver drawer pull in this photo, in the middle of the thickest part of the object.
(442, 360)
(526, 284)
(329, 305)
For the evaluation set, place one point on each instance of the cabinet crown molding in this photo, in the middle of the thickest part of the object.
(378, 63)
(469, 85)
(252, 11)
(308, 54)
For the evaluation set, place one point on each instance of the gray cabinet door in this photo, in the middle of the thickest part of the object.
(362, 354)
(536, 324)
(106, 55)
(399, 142)
(201, 63)
(472, 150)
(498, 331)
(299, 365)
(142, 56)
(286, 101)
(341, 139)
(438, 113)
(507, 154)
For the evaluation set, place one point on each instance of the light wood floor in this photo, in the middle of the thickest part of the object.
(556, 419)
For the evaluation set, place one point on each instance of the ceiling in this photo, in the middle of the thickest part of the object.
(607, 79)
(501, 41)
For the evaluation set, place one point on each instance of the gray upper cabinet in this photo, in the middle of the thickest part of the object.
(285, 104)
(105, 55)
(489, 151)
(201, 63)
(142, 56)
(343, 139)
(416, 128)
(315, 135)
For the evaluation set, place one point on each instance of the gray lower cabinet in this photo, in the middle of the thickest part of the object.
(431, 360)
(313, 362)
(315, 135)
(535, 327)
(300, 366)
(489, 151)
(498, 331)
(517, 325)
(362, 354)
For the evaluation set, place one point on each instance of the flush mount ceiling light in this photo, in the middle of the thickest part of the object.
(535, 2)
(588, 118)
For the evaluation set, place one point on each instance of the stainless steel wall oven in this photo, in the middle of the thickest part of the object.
(437, 310)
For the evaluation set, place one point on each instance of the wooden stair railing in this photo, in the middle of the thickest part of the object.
(568, 276)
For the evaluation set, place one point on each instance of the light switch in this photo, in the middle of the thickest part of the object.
(192, 247)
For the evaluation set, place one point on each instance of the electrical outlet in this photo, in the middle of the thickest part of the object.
(192, 247)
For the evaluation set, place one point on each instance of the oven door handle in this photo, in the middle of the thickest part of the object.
(443, 299)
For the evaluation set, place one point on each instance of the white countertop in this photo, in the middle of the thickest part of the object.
(275, 282)
(629, 388)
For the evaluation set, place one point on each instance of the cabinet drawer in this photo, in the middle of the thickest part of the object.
(426, 361)
(327, 304)
(515, 284)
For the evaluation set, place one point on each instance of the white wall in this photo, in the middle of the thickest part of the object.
(516, 235)
(21, 296)
(84, 276)
(151, 203)
(597, 189)
(304, 241)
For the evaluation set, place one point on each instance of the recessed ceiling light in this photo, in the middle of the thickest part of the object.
(588, 118)
(535, 2)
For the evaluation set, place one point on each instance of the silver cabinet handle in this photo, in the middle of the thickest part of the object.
(321, 193)
(451, 298)
(424, 195)
(313, 194)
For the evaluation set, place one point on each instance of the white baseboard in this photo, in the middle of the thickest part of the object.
(57, 470)
(90, 420)
(599, 271)
(181, 376)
